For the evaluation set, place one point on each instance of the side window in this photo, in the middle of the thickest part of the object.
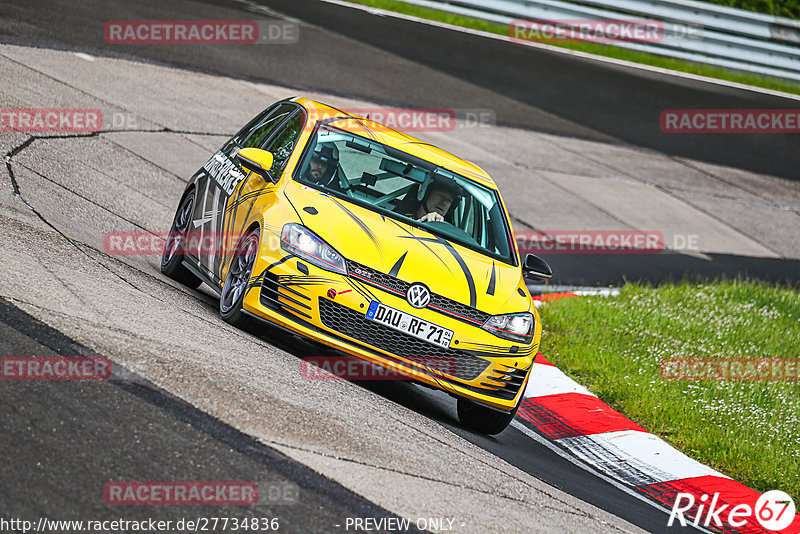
(244, 132)
(282, 143)
(261, 131)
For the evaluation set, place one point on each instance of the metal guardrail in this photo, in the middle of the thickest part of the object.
(695, 31)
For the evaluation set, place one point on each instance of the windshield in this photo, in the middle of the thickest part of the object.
(407, 188)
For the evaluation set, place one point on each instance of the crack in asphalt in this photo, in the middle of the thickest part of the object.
(78, 245)
(568, 507)
(486, 464)
(140, 380)
(9, 156)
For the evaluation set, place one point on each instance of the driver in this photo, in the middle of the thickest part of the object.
(436, 203)
(322, 168)
(439, 201)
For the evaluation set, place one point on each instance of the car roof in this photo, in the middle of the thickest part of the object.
(359, 125)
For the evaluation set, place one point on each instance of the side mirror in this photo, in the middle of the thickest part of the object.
(257, 160)
(536, 268)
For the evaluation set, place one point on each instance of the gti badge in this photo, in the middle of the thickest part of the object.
(418, 295)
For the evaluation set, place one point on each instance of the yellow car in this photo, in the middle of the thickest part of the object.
(370, 241)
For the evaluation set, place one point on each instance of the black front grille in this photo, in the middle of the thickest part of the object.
(438, 303)
(455, 363)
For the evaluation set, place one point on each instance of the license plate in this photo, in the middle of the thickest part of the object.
(405, 322)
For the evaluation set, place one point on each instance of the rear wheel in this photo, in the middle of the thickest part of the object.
(175, 247)
(235, 287)
(482, 419)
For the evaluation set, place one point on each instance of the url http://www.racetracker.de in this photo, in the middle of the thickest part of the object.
(195, 524)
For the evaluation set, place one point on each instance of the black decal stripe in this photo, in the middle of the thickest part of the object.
(421, 240)
(308, 284)
(252, 194)
(360, 290)
(279, 262)
(245, 218)
(365, 289)
(473, 296)
(361, 224)
(254, 281)
(218, 230)
(396, 267)
(230, 222)
(490, 289)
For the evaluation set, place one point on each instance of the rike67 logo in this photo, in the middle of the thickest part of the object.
(774, 510)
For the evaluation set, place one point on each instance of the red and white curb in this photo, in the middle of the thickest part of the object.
(565, 292)
(571, 417)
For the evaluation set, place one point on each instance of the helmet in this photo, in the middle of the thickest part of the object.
(328, 154)
(440, 182)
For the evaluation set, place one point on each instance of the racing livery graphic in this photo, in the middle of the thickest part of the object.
(369, 241)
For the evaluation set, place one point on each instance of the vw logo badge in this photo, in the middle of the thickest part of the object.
(418, 295)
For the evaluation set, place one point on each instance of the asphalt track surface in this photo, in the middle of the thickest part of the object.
(350, 52)
(62, 444)
(592, 110)
(57, 441)
(345, 54)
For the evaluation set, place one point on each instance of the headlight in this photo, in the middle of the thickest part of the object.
(513, 326)
(303, 243)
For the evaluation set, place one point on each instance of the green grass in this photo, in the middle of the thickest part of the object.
(592, 48)
(778, 8)
(614, 346)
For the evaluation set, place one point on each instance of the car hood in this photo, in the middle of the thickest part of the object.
(409, 253)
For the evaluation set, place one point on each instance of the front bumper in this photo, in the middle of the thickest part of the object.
(330, 308)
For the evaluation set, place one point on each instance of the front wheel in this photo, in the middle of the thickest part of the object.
(238, 279)
(175, 247)
(481, 419)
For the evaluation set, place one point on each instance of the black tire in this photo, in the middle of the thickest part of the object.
(239, 274)
(174, 249)
(481, 419)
